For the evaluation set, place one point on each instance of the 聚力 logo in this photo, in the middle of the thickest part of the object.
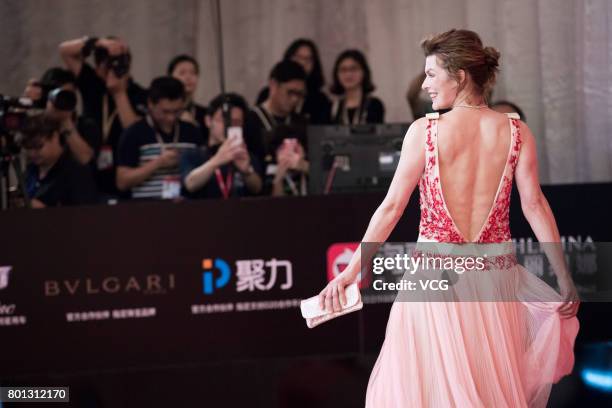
(209, 282)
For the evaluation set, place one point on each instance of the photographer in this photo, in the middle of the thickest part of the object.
(235, 170)
(53, 177)
(150, 149)
(287, 84)
(58, 89)
(271, 122)
(109, 95)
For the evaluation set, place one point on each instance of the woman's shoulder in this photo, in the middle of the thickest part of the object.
(375, 101)
(421, 123)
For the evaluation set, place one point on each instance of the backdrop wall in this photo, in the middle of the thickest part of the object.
(556, 55)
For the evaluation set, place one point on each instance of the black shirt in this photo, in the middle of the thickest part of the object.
(371, 110)
(199, 113)
(195, 158)
(93, 91)
(66, 183)
(264, 131)
(139, 145)
(91, 134)
(316, 107)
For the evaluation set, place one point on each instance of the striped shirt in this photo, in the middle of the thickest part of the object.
(139, 146)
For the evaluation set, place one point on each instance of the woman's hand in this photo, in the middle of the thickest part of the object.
(226, 153)
(242, 161)
(333, 297)
(571, 301)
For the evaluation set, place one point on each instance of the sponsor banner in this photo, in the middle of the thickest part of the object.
(162, 283)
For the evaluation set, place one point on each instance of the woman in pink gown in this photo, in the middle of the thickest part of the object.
(469, 354)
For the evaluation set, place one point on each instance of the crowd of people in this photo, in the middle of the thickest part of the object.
(128, 142)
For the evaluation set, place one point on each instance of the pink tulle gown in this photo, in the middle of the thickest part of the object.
(472, 354)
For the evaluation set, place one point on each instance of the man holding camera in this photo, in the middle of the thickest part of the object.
(109, 95)
(53, 177)
(224, 168)
(58, 97)
(150, 149)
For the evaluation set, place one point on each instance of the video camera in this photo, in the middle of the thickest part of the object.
(14, 113)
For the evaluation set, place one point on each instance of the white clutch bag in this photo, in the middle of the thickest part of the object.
(314, 315)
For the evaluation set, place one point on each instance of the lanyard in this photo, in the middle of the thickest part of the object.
(358, 117)
(160, 140)
(292, 186)
(107, 121)
(225, 187)
(268, 119)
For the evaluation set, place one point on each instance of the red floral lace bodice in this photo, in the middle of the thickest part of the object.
(436, 222)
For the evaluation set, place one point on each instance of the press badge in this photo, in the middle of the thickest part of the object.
(105, 158)
(171, 187)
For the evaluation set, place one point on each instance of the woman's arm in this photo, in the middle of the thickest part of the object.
(540, 217)
(388, 213)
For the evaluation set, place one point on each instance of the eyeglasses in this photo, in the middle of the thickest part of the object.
(351, 68)
(296, 93)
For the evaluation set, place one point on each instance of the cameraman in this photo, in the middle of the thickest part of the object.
(83, 136)
(53, 177)
(109, 95)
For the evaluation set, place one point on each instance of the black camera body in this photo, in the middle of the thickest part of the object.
(13, 113)
(62, 99)
(119, 64)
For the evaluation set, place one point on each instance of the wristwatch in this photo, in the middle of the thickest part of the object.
(89, 44)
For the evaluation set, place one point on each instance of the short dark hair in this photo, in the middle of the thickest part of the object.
(366, 85)
(166, 87)
(513, 106)
(234, 100)
(56, 77)
(182, 58)
(315, 80)
(288, 70)
(37, 126)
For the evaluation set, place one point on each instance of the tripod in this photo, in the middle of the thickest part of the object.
(9, 157)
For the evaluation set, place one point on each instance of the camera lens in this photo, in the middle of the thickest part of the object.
(63, 100)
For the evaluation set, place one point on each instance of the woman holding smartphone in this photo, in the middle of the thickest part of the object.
(224, 168)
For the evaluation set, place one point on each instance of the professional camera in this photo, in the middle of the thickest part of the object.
(120, 64)
(62, 99)
(14, 112)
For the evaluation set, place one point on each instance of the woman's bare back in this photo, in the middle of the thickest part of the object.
(473, 149)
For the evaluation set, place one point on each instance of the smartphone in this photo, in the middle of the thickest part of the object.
(291, 144)
(234, 134)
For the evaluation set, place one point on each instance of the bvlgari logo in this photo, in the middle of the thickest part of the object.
(147, 285)
(4, 276)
